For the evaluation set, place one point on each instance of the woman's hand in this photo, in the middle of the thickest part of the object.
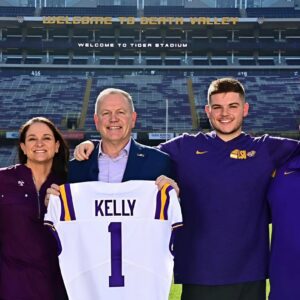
(52, 190)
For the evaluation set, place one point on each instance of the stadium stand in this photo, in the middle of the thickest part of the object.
(8, 155)
(56, 68)
(32, 60)
(112, 11)
(292, 61)
(59, 93)
(16, 11)
(50, 95)
(273, 12)
(181, 11)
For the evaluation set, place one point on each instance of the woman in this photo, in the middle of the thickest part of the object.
(284, 200)
(28, 261)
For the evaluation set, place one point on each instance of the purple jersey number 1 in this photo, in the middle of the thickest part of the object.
(116, 279)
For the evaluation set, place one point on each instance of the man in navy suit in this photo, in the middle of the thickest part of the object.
(117, 157)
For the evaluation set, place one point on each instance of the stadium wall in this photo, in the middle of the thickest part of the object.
(43, 71)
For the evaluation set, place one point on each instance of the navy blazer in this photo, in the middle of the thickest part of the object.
(144, 163)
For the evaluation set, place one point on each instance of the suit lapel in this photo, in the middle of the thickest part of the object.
(94, 169)
(135, 161)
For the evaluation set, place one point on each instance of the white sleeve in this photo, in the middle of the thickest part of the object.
(53, 211)
(174, 209)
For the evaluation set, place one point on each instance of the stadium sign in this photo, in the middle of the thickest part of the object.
(86, 20)
(12, 134)
(95, 135)
(123, 45)
(160, 135)
(73, 135)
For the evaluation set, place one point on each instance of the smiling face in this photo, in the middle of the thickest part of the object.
(114, 120)
(39, 145)
(226, 112)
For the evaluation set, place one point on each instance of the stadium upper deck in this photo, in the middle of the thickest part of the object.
(54, 62)
(168, 37)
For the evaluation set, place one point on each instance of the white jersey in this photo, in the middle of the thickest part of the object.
(115, 239)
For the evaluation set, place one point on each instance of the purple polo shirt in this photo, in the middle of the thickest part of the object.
(284, 199)
(111, 169)
(223, 189)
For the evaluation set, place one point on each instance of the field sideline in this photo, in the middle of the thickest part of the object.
(176, 291)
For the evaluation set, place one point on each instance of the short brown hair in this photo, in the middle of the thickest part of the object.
(225, 85)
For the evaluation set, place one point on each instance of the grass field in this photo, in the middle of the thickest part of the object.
(176, 291)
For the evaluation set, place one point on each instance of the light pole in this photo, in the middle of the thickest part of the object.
(167, 118)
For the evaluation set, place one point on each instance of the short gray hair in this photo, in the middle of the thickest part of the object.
(110, 91)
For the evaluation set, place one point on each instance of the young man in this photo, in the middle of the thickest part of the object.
(222, 251)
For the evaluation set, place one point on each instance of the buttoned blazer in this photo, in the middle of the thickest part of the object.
(144, 163)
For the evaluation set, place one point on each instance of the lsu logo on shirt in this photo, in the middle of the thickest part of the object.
(241, 154)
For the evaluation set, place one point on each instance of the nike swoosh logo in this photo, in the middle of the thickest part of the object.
(288, 172)
(201, 152)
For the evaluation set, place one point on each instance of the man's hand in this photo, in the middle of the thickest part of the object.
(83, 150)
(52, 190)
(162, 180)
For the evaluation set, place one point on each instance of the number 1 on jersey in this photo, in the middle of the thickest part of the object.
(116, 279)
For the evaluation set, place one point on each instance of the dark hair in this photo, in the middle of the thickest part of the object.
(225, 85)
(60, 160)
